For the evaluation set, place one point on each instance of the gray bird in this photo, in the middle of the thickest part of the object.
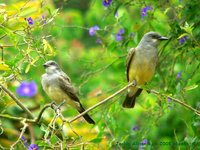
(58, 87)
(140, 65)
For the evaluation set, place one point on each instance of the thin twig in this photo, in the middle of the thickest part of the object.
(74, 26)
(197, 112)
(59, 114)
(27, 120)
(16, 100)
(102, 102)
(20, 44)
(16, 118)
(41, 112)
(21, 134)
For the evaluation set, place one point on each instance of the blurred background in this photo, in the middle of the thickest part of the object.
(90, 39)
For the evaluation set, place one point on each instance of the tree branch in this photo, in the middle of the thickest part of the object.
(17, 101)
(197, 112)
(21, 134)
(16, 118)
(20, 44)
(41, 112)
(103, 101)
(27, 120)
(124, 88)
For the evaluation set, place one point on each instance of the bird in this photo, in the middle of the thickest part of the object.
(58, 87)
(141, 63)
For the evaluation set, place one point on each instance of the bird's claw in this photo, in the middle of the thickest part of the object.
(54, 106)
(134, 83)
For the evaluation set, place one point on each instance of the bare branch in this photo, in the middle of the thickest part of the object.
(197, 112)
(102, 102)
(41, 112)
(21, 134)
(17, 101)
(16, 118)
(20, 44)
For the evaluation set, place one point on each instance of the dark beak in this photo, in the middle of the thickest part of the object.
(163, 38)
(45, 65)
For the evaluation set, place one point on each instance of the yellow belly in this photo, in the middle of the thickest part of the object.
(141, 72)
(56, 94)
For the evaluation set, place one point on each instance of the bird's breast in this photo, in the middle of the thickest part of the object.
(55, 93)
(142, 68)
(51, 86)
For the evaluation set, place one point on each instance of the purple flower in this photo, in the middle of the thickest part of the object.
(178, 76)
(142, 144)
(106, 3)
(33, 147)
(145, 10)
(169, 100)
(30, 21)
(135, 128)
(183, 39)
(24, 141)
(92, 30)
(169, 103)
(119, 36)
(27, 89)
(43, 18)
(98, 41)
(121, 31)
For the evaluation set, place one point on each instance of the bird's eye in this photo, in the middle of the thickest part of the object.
(52, 63)
(155, 36)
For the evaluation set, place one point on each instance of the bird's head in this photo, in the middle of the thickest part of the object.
(152, 38)
(51, 67)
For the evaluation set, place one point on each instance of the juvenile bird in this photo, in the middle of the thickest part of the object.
(140, 65)
(58, 87)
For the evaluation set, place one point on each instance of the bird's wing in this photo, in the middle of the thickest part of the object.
(128, 60)
(65, 85)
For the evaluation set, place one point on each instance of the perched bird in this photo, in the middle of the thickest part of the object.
(58, 87)
(140, 65)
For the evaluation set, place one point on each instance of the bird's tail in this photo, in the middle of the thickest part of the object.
(129, 101)
(86, 116)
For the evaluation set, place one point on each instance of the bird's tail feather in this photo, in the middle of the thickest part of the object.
(86, 116)
(129, 101)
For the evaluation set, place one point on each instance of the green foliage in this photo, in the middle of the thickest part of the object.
(97, 70)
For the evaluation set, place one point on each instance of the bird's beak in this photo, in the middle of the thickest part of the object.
(45, 65)
(163, 38)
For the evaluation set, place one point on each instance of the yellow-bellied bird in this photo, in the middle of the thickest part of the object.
(140, 65)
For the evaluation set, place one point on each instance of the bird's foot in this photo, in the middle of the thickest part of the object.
(53, 105)
(134, 83)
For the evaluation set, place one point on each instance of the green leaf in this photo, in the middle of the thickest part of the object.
(188, 88)
(182, 35)
(43, 143)
(96, 140)
(188, 28)
(54, 139)
(48, 49)
(27, 68)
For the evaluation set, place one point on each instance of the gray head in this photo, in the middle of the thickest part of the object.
(51, 67)
(152, 39)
